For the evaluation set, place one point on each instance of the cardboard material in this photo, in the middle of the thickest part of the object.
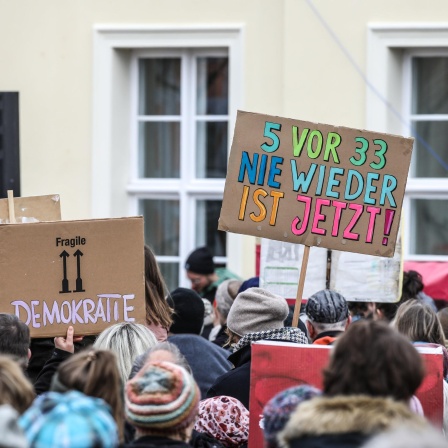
(275, 366)
(89, 274)
(357, 277)
(32, 209)
(315, 184)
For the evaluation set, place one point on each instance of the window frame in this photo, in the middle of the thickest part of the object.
(389, 48)
(115, 189)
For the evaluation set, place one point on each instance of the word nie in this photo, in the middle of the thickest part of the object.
(72, 242)
(108, 308)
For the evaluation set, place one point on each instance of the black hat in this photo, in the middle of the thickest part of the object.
(200, 261)
(327, 307)
(189, 309)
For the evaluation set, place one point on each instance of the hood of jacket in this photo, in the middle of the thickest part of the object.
(347, 414)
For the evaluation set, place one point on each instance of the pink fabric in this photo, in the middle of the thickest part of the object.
(224, 418)
(434, 276)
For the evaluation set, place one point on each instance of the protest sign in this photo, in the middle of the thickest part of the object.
(277, 366)
(88, 273)
(32, 209)
(358, 277)
(315, 184)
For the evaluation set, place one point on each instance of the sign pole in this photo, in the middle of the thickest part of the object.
(12, 214)
(306, 254)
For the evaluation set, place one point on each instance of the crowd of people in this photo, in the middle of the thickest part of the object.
(182, 378)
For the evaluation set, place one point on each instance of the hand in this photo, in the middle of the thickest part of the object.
(67, 343)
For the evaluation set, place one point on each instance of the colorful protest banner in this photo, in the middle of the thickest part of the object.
(88, 273)
(315, 184)
(277, 366)
(32, 209)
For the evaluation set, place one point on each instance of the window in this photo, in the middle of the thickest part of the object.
(407, 94)
(9, 144)
(160, 134)
(426, 104)
(179, 151)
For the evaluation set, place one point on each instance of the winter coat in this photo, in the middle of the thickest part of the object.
(235, 383)
(344, 421)
(207, 360)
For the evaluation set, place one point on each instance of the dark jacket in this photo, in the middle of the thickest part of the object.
(43, 381)
(207, 360)
(222, 337)
(345, 421)
(156, 442)
(201, 440)
(235, 383)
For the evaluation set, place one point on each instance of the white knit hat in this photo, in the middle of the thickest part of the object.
(257, 309)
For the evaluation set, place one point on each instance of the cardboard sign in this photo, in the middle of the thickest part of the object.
(315, 184)
(276, 366)
(32, 209)
(357, 277)
(89, 274)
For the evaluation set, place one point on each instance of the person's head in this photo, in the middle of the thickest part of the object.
(255, 310)
(127, 340)
(386, 311)
(412, 285)
(279, 408)
(419, 323)
(371, 358)
(225, 419)
(14, 338)
(189, 310)
(224, 297)
(94, 373)
(15, 389)
(163, 351)
(162, 399)
(200, 268)
(443, 318)
(253, 282)
(326, 310)
(69, 419)
(362, 310)
(157, 309)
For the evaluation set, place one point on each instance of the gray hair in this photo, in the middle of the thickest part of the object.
(225, 295)
(321, 327)
(178, 357)
(127, 340)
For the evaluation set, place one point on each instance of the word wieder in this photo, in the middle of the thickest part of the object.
(339, 185)
(108, 308)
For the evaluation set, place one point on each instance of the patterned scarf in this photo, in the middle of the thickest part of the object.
(224, 418)
(288, 334)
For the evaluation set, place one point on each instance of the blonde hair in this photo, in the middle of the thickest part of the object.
(419, 323)
(95, 373)
(15, 389)
(127, 340)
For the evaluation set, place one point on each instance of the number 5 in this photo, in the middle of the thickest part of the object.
(269, 126)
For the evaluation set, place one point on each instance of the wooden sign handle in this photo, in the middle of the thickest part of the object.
(306, 254)
(12, 214)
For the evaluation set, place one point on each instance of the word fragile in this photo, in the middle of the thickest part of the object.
(107, 308)
(72, 242)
